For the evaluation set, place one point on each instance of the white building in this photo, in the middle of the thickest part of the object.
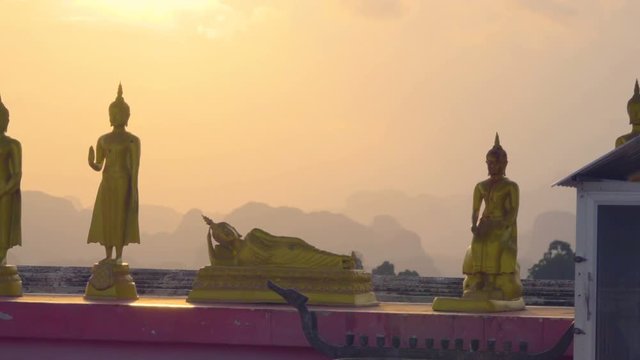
(607, 283)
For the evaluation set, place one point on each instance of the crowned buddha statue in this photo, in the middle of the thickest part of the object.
(633, 110)
(114, 223)
(241, 266)
(492, 274)
(10, 205)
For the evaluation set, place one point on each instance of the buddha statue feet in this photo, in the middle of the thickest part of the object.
(492, 287)
(494, 294)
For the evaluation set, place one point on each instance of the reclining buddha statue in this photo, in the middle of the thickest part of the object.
(259, 248)
(241, 266)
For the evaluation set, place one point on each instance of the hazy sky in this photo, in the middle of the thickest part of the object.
(302, 103)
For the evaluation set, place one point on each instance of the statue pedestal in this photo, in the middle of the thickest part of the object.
(10, 282)
(110, 281)
(248, 284)
(466, 305)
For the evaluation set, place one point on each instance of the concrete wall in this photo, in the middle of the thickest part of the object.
(161, 282)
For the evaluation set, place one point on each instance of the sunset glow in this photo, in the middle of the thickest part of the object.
(306, 102)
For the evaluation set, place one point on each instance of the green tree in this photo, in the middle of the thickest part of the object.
(556, 263)
(386, 268)
(408, 273)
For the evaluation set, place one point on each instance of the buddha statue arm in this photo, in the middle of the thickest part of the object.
(16, 169)
(514, 202)
(135, 165)
(96, 164)
(475, 213)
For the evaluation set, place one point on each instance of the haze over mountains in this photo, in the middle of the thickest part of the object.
(423, 233)
(443, 223)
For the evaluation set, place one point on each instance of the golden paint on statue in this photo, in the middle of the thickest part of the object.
(492, 274)
(633, 110)
(240, 268)
(114, 223)
(10, 205)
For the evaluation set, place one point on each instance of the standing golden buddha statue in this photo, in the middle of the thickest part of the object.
(10, 205)
(633, 110)
(114, 223)
(492, 274)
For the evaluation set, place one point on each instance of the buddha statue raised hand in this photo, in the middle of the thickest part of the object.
(114, 223)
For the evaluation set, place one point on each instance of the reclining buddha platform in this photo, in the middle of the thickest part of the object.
(248, 284)
(70, 327)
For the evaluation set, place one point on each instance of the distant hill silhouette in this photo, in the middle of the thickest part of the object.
(383, 239)
(424, 233)
(443, 223)
(55, 230)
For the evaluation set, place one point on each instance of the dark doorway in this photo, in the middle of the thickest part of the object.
(618, 283)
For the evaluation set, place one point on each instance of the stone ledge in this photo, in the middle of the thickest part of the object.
(162, 282)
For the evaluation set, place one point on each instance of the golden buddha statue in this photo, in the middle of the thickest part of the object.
(633, 109)
(240, 268)
(114, 223)
(115, 214)
(259, 248)
(10, 205)
(492, 274)
(490, 265)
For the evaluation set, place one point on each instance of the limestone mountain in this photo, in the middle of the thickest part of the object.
(383, 239)
(55, 233)
(443, 223)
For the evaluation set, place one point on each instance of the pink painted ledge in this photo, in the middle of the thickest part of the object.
(170, 320)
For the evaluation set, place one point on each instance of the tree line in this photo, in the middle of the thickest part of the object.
(556, 264)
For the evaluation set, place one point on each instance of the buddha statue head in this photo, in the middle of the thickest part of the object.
(119, 110)
(496, 159)
(4, 117)
(224, 233)
(633, 106)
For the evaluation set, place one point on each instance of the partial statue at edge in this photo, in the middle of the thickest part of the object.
(259, 248)
(633, 110)
(490, 264)
(114, 223)
(10, 174)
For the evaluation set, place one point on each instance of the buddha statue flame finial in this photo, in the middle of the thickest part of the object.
(119, 108)
(633, 103)
(497, 151)
(3, 109)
